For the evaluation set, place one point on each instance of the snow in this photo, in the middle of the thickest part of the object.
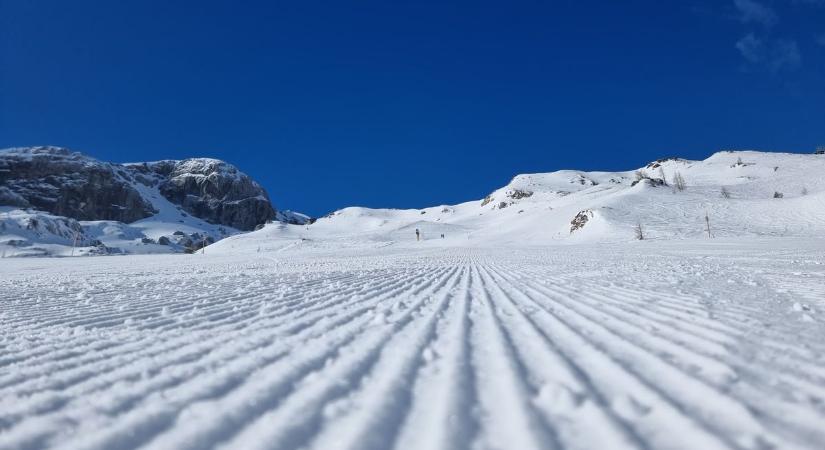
(510, 331)
(654, 344)
(35, 233)
(47, 151)
(293, 217)
(537, 209)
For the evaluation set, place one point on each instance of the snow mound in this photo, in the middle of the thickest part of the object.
(35, 233)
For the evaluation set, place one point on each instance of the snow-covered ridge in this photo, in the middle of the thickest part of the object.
(742, 193)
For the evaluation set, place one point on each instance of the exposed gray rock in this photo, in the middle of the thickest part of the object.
(580, 220)
(68, 184)
(517, 194)
(294, 218)
(658, 163)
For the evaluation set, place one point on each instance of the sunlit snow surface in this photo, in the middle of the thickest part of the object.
(697, 344)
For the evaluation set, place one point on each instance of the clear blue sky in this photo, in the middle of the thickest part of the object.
(411, 104)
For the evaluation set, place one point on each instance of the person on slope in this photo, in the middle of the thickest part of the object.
(417, 235)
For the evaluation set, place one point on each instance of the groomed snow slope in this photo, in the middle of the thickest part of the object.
(678, 344)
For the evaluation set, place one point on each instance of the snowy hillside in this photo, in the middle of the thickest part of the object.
(737, 194)
(741, 193)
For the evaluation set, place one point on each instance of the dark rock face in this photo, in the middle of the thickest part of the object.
(212, 190)
(517, 194)
(658, 163)
(68, 184)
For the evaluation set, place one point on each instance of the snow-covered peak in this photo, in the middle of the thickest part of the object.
(207, 166)
(193, 166)
(39, 150)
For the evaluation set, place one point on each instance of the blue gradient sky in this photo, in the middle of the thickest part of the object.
(384, 104)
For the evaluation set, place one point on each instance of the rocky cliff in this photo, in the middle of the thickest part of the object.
(73, 185)
(68, 184)
(210, 189)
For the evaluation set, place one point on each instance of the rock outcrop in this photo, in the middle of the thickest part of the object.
(210, 189)
(580, 220)
(68, 184)
(73, 185)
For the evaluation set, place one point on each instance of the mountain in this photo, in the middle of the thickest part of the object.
(157, 206)
(742, 194)
(50, 193)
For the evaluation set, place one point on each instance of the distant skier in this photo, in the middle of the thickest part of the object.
(442, 235)
(417, 235)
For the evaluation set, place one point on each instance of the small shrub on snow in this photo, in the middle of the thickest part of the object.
(678, 182)
(707, 224)
(725, 192)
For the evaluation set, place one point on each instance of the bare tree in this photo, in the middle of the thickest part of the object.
(640, 232)
(74, 242)
(725, 192)
(678, 181)
(662, 175)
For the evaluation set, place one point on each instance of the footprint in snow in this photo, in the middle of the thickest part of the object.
(627, 406)
(558, 399)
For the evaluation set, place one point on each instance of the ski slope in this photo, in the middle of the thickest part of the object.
(716, 344)
(742, 194)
